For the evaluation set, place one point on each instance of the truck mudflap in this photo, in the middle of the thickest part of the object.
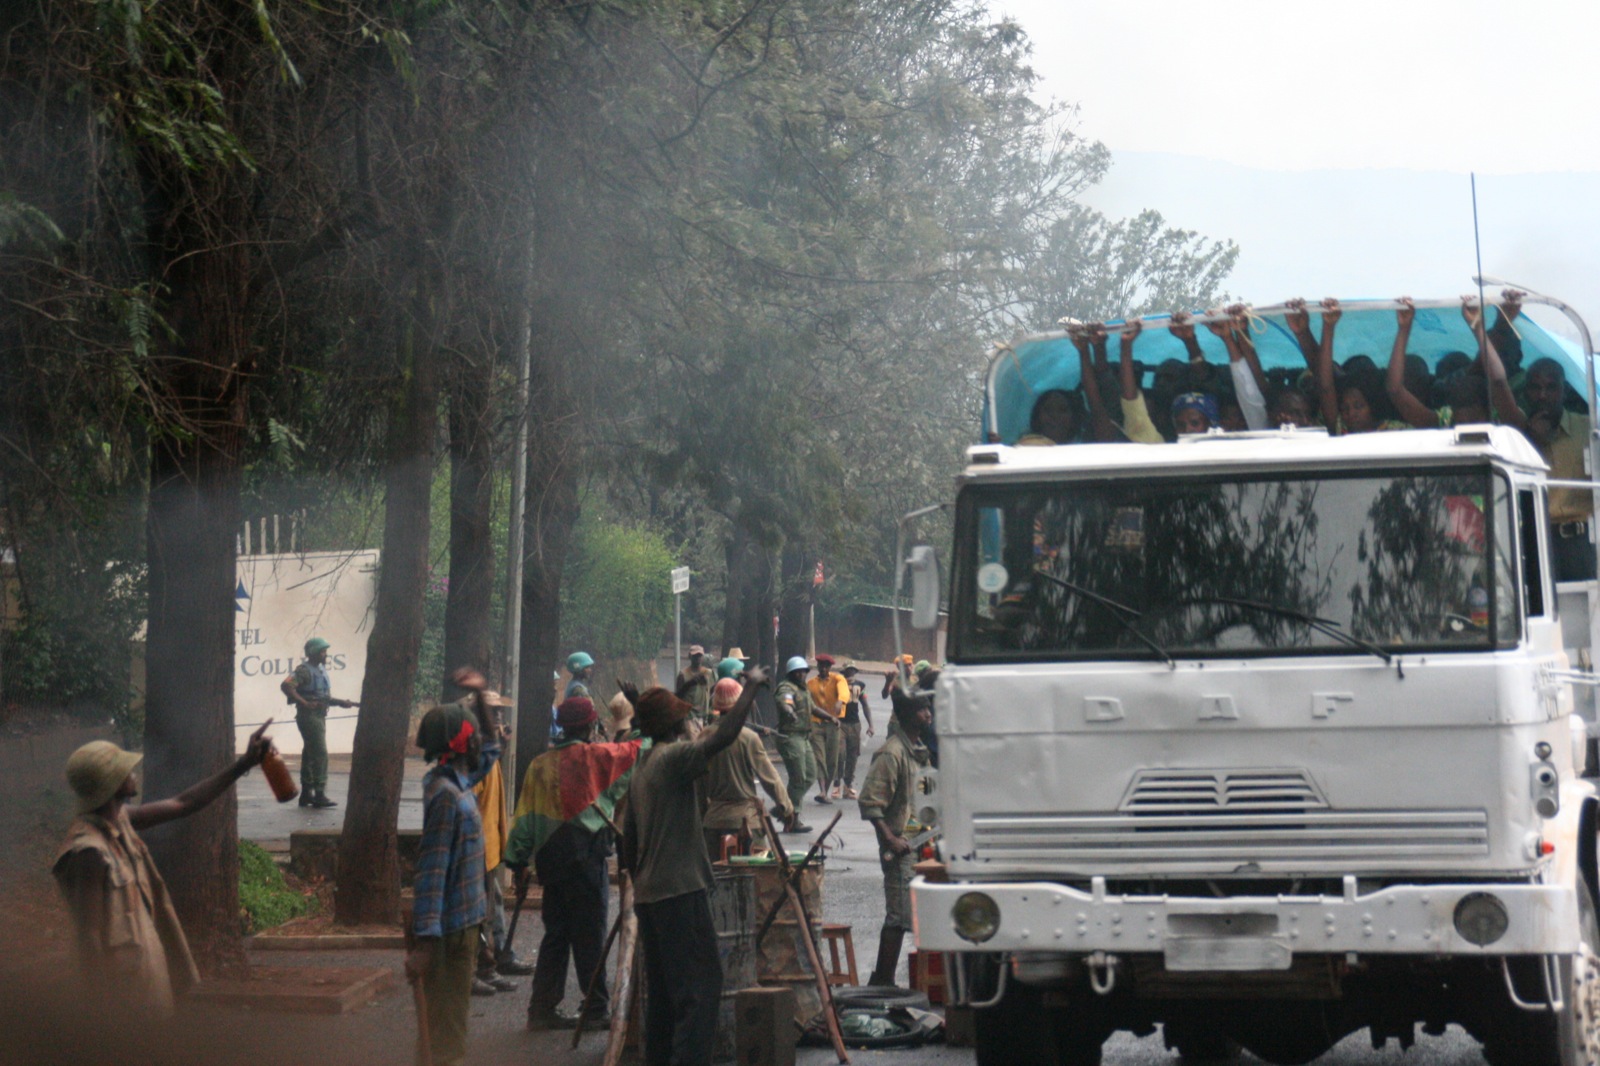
(1247, 933)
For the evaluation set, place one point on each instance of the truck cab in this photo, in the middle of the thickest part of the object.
(1263, 738)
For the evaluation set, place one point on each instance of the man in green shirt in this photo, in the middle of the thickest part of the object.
(886, 798)
(794, 736)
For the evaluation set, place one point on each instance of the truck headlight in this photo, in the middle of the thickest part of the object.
(1481, 918)
(976, 916)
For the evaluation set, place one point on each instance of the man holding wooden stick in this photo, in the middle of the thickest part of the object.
(663, 849)
(450, 902)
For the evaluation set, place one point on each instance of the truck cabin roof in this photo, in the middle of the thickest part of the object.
(1023, 369)
(1268, 450)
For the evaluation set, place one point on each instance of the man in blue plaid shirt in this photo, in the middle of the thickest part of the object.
(450, 903)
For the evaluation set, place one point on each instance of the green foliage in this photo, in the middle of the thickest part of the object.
(264, 898)
(616, 601)
(24, 224)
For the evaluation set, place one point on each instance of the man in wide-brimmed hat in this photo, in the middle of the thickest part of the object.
(130, 947)
(450, 900)
(663, 848)
(563, 826)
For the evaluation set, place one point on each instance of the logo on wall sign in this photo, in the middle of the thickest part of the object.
(239, 594)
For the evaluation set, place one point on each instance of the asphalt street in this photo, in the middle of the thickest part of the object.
(853, 893)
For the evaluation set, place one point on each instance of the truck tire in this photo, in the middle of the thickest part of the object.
(1571, 1036)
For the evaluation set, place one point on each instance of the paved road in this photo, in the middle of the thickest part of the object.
(853, 893)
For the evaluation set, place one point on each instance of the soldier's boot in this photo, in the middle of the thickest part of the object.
(889, 943)
(321, 800)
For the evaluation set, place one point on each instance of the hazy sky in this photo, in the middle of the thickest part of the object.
(1334, 142)
(1427, 84)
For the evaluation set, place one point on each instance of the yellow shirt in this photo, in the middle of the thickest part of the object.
(1566, 454)
(491, 796)
(828, 696)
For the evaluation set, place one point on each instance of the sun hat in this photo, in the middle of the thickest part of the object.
(697, 649)
(96, 770)
(579, 660)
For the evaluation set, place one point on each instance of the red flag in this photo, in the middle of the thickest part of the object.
(816, 579)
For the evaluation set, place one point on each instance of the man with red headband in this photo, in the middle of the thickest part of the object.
(563, 824)
(450, 902)
(663, 847)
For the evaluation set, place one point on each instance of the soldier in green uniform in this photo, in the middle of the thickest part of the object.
(694, 683)
(307, 689)
(794, 736)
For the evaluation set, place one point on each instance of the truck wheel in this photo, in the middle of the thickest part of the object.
(1571, 1036)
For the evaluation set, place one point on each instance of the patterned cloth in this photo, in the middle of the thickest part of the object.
(450, 869)
(573, 781)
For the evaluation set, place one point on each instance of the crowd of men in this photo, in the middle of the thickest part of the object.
(669, 779)
(1352, 396)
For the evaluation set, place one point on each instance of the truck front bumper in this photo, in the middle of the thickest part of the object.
(1247, 932)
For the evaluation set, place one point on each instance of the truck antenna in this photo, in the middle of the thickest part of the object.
(1483, 307)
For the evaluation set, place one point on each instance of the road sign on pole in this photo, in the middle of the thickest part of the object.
(680, 585)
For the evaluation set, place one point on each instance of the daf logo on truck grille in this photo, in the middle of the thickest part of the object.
(1197, 791)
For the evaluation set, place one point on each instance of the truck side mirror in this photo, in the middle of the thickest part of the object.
(924, 565)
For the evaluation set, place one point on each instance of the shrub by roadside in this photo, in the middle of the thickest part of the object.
(265, 898)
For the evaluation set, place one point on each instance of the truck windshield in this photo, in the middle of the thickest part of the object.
(1155, 568)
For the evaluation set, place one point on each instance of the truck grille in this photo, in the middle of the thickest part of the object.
(1206, 791)
(1232, 837)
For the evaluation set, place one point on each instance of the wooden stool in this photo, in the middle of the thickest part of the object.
(835, 935)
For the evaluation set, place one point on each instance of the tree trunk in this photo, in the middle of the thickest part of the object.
(188, 733)
(192, 563)
(551, 513)
(793, 608)
(368, 886)
(469, 597)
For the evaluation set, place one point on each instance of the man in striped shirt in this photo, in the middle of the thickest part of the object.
(450, 902)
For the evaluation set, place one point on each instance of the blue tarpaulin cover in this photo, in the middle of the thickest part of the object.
(1035, 365)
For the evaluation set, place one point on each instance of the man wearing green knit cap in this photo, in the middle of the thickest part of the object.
(308, 690)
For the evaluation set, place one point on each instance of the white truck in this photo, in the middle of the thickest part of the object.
(1263, 738)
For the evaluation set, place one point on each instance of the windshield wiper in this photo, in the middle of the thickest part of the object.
(1125, 616)
(1326, 626)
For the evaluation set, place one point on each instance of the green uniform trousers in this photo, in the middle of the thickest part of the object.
(448, 987)
(825, 749)
(799, 763)
(313, 749)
